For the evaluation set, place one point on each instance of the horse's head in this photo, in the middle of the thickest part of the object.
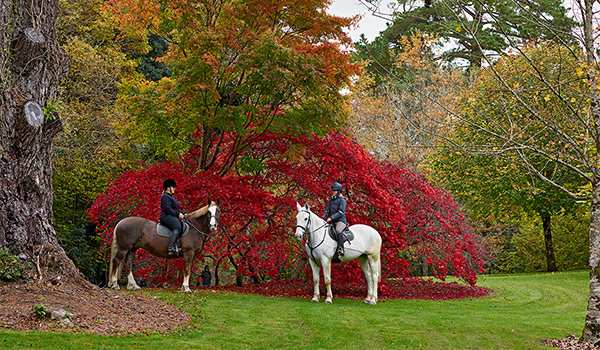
(302, 220)
(214, 215)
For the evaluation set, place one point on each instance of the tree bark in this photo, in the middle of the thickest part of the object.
(31, 67)
(591, 330)
(547, 226)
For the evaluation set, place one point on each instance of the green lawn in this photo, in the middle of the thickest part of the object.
(525, 309)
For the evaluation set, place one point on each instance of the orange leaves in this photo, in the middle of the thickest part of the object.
(396, 116)
(135, 18)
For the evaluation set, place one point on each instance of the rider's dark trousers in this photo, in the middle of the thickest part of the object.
(172, 222)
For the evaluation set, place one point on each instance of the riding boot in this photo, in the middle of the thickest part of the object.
(172, 242)
(340, 249)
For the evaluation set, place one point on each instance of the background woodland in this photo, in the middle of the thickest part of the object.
(248, 110)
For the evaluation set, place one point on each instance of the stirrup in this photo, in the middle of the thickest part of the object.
(340, 251)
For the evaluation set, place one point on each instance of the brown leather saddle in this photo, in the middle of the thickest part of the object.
(348, 235)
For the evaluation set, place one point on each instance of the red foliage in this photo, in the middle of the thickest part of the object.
(396, 289)
(418, 223)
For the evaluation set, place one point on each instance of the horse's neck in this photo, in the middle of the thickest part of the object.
(318, 228)
(200, 222)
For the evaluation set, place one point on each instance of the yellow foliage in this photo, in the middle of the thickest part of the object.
(396, 119)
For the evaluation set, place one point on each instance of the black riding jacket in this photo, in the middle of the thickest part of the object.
(169, 206)
(336, 209)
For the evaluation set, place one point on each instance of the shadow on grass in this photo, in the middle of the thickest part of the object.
(413, 288)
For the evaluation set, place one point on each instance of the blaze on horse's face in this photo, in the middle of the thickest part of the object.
(302, 221)
(214, 216)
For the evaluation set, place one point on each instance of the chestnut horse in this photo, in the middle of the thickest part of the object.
(134, 232)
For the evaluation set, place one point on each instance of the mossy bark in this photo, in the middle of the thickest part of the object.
(31, 69)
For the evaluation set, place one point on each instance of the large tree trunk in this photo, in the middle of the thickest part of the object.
(547, 226)
(31, 66)
(591, 330)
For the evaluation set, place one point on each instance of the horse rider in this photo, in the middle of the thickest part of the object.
(170, 214)
(335, 214)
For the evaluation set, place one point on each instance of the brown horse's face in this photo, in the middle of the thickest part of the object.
(214, 214)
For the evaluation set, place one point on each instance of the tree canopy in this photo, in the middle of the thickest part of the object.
(235, 71)
(419, 223)
(474, 28)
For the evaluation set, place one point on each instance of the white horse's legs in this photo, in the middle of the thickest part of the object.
(371, 269)
(367, 269)
(375, 263)
(326, 263)
(315, 270)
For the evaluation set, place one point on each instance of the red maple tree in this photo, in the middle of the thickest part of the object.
(419, 223)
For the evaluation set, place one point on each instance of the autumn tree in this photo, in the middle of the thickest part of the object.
(88, 150)
(575, 130)
(556, 136)
(397, 113)
(498, 190)
(235, 71)
(420, 224)
(485, 28)
(31, 66)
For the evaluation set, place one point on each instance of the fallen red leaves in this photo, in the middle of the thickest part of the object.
(392, 289)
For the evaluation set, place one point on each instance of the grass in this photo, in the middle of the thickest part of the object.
(525, 309)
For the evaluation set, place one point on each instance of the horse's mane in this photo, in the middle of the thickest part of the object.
(200, 212)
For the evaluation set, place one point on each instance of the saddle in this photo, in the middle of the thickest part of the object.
(164, 231)
(348, 235)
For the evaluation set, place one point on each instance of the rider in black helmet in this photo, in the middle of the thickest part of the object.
(170, 214)
(335, 213)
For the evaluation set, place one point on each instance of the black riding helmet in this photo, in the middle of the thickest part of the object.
(336, 186)
(169, 183)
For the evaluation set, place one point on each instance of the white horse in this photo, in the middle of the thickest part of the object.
(321, 249)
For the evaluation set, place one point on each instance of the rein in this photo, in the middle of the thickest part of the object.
(189, 222)
(307, 232)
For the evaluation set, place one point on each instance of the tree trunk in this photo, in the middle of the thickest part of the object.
(591, 330)
(31, 66)
(547, 226)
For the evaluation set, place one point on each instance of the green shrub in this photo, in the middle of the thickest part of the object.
(39, 311)
(10, 268)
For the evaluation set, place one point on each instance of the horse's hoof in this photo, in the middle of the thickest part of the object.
(314, 300)
(186, 290)
(328, 301)
(115, 287)
(370, 302)
(136, 287)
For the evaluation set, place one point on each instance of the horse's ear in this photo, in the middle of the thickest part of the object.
(298, 206)
(307, 206)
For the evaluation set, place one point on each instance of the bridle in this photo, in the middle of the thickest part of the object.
(217, 216)
(307, 232)
(210, 215)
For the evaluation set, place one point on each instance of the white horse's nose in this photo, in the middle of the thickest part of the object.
(299, 233)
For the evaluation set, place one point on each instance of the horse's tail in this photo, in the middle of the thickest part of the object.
(113, 252)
